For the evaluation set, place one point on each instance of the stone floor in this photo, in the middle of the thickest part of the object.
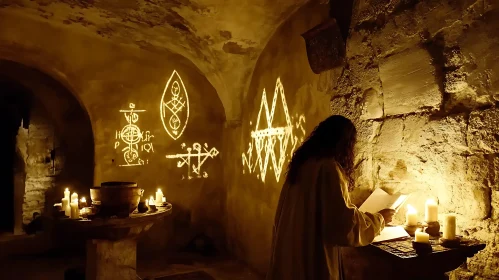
(52, 267)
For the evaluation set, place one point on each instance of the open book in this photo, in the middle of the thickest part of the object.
(380, 200)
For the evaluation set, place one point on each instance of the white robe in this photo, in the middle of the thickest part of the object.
(314, 219)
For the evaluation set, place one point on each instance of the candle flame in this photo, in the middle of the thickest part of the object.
(411, 209)
(83, 199)
(67, 189)
(430, 201)
(152, 202)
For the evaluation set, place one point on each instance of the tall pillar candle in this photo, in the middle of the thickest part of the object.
(411, 216)
(65, 207)
(450, 226)
(159, 197)
(75, 211)
(431, 211)
(66, 194)
(74, 197)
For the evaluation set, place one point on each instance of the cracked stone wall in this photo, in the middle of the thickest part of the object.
(421, 83)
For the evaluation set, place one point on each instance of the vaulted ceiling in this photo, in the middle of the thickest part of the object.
(223, 38)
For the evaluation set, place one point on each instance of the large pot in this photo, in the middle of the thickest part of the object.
(116, 198)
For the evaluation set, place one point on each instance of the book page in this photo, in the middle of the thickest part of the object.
(380, 200)
(391, 233)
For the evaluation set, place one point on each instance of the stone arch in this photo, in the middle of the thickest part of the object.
(70, 148)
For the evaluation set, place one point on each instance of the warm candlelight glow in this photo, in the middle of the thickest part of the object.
(411, 216)
(83, 199)
(164, 199)
(151, 201)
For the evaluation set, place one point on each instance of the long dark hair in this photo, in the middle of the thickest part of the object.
(333, 138)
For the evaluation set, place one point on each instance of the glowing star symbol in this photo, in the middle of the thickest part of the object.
(174, 108)
(273, 143)
(134, 138)
(200, 155)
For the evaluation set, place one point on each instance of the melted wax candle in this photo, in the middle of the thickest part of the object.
(66, 194)
(431, 213)
(411, 216)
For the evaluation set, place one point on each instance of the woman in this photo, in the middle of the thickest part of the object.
(315, 216)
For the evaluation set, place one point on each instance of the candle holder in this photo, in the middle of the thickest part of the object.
(411, 229)
(451, 243)
(432, 228)
(422, 248)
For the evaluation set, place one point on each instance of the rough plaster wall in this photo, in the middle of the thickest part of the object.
(214, 36)
(251, 203)
(421, 85)
(106, 78)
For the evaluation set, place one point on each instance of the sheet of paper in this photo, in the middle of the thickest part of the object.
(390, 233)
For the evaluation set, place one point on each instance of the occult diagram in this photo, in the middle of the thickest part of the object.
(174, 108)
(198, 154)
(134, 139)
(274, 142)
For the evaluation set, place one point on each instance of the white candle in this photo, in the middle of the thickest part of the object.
(75, 211)
(159, 197)
(422, 237)
(83, 202)
(65, 207)
(411, 216)
(66, 194)
(151, 201)
(164, 199)
(431, 213)
(450, 226)
(74, 197)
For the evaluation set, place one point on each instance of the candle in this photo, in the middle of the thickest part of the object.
(411, 216)
(74, 197)
(151, 201)
(422, 237)
(431, 213)
(75, 211)
(83, 202)
(65, 207)
(450, 226)
(159, 197)
(66, 194)
(164, 200)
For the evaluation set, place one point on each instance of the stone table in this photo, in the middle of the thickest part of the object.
(112, 243)
(406, 264)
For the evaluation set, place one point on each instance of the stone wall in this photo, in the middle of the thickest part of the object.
(421, 84)
(253, 192)
(36, 144)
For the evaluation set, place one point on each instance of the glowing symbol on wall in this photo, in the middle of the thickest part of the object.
(273, 143)
(174, 108)
(200, 154)
(135, 140)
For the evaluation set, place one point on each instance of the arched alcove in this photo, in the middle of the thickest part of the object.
(52, 135)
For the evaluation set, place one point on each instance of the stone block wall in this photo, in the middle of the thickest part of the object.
(35, 145)
(421, 85)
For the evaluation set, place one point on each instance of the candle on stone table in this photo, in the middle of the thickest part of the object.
(75, 211)
(421, 237)
(431, 213)
(450, 226)
(74, 197)
(65, 207)
(159, 197)
(152, 202)
(66, 194)
(411, 216)
(83, 202)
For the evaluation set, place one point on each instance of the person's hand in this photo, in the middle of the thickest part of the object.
(387, 215)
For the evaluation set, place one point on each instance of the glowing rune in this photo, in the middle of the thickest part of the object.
(135, 139)
(200, 154)
(275, 142)
(174, 108)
